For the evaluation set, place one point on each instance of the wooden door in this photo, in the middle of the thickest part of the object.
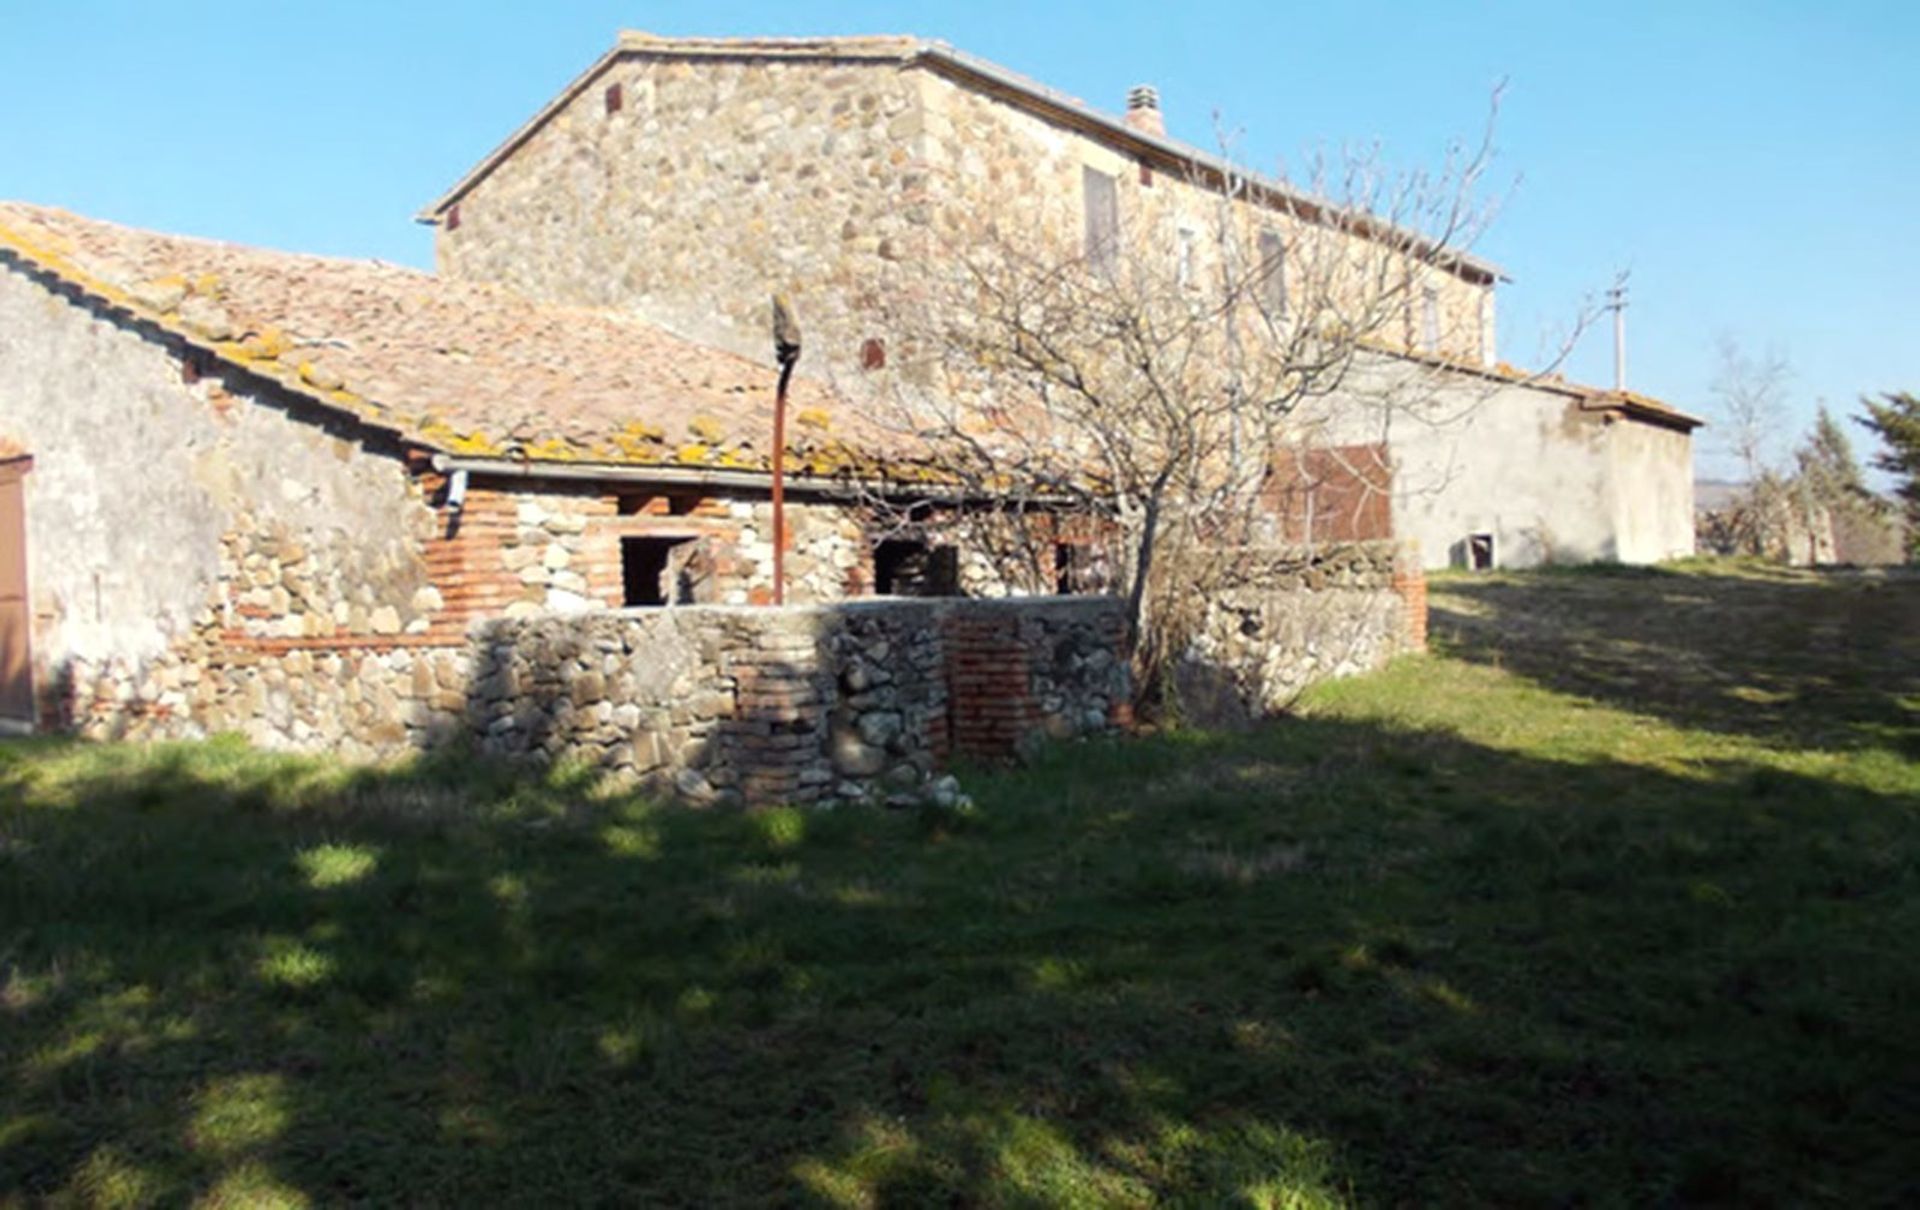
(16, 657)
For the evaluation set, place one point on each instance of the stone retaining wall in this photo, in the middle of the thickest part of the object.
(857, 701)
(852, 701)
(1294, 616)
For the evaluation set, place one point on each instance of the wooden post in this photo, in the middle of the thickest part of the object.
(786, 350)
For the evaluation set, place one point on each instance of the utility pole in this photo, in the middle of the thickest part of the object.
(1617, 303)
(786, 351)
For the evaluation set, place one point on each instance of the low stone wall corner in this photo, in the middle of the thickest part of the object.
(1295, 616)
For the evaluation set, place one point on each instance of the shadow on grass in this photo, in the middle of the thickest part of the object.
(1816, 660)
(1322, 963)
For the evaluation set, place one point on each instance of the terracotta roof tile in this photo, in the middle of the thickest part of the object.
(1633, 403)
(455, 366)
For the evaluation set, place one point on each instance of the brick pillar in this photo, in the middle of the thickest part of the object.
(1120, 713)
(1410, 581)
(779, 723)
(989, 686)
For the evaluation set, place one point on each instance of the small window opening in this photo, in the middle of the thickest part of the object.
(1273, 273)
(873, 354)
(1430, 320)
(1072, 568)
(1480, 552)
(1102, 217)
(453, 218)
(908, 568)
(1183, 269)
(614, 98)
(1146, 175)
(654, 571)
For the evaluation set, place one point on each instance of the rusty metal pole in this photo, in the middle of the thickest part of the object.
(786, 351)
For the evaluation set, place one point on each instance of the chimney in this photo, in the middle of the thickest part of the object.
(1143, 110)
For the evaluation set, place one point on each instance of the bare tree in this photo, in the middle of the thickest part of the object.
(1164, 379)
(1750, 396)
(1751, 393)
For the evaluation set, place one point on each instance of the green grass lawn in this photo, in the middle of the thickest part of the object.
(1612, 900)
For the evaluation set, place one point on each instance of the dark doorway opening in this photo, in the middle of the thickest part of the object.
(655, 571)
(1480, 552)
(1072, 568)
(907, 568)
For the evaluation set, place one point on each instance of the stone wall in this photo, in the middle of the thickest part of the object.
(523, 548)
(860, 701)
(184, 525)
(207, 554)
(990, 160)
(845, 183)
(712, 185)
(1297, 616)
(856, 701)
(168, 508)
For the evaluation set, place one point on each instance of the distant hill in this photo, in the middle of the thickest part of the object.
(1713, 495)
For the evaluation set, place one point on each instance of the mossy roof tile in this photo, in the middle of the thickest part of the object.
(452, 365)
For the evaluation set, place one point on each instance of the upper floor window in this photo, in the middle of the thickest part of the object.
(1429, 320)
(1183, 264)
(1273, 273)
(1103, 217)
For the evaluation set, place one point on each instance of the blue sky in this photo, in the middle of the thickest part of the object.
(1755, 165)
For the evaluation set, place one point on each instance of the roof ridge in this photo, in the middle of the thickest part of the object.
(898, 45)
(209, 241)
(940, 54)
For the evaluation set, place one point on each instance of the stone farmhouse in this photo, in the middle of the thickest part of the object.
(682, 178)
(336, 504)
(346, 505)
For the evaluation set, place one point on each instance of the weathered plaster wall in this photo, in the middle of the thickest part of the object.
(1653, 492)
(1529, 467)
(161, 511)
(1475, 455)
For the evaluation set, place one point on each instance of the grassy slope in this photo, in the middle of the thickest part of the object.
(1613, 901)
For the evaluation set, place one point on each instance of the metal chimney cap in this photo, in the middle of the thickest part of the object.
(1143, 96)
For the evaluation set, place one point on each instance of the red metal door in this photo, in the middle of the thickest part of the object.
(16, 658)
